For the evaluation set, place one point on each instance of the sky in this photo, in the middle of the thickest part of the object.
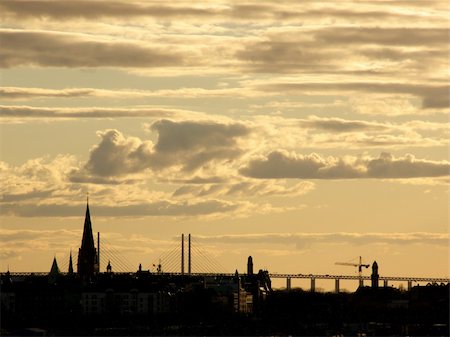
(301, 133)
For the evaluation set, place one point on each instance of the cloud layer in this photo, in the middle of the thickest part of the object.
(227, 117)
(50, 49)
(300, 240)
(161, 208)
(280, 164)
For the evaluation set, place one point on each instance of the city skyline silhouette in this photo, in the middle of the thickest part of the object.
(178, 261)
(89, 301)
(310, 136)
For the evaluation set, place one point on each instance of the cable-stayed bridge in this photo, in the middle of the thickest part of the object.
(187, 257)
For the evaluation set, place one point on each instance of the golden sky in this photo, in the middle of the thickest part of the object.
(300, 132)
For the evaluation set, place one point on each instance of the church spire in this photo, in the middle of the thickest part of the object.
(88, 238)
(55, 269)
(70, 264)
(53, 275)
(87, 254)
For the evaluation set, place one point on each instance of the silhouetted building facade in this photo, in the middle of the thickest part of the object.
(87, 254)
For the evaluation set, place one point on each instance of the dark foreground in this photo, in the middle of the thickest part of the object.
(423, 311)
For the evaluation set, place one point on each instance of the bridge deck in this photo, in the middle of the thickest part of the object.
(285, 276)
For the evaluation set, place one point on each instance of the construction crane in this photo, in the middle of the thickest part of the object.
(359, 265)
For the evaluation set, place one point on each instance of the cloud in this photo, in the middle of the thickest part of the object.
(39, 178)
(286, 11)
(193, 144)
(300, 240)
(382, 36)
(51, 188)
(18, 197)
(343, 125)
(280, 164)
(50, 49)
(329, 131)
(244, 189)
(189, 145)
(158, 208)
(21, 235)
(386, 166)
(282, 57)
(29, 112)
(28, 93)
(433, 96)
(93, 9)
(21, 93)
(118, 155)
(417, 51)
(15, 242)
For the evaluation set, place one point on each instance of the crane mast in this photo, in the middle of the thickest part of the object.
(359, 265)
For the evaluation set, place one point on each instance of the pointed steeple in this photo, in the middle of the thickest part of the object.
(87, 254)
(54, 270)
(53, 276)
(88, 238)
(70, 264)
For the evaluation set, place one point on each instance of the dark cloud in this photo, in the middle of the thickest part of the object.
(382, 36)
(283, 165)
(49, 49)
(158, 208)
(193, 144)
(91, 9)
(187, 144)
(325, 50)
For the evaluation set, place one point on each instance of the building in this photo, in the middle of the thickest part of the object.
(88, 258)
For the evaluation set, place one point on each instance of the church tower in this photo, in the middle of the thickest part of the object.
(375, 275)
(87, 254)
(250, 266)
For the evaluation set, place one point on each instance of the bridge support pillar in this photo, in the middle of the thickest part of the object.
(288, 283)
(385, 283)
(409, 285)
(313, 284)
(336, 286)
